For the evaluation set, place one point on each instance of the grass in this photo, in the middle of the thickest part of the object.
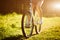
(50, 30)
(10, 25)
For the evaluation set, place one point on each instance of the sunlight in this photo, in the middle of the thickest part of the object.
(56, 5)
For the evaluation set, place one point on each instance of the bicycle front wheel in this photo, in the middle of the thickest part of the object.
(27, 32)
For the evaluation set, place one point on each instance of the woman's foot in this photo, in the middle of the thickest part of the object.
(27, 26)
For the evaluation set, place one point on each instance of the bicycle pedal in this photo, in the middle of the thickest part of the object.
(27, 26)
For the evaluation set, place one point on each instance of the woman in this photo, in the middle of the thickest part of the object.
(35, 5)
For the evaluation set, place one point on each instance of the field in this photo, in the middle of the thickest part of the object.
(10, 26)
(50, 30)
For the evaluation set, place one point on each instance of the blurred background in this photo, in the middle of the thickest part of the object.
(10, 21)
(51, 8)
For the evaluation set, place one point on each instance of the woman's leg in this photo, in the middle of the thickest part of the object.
(39, 10)
(29, 18)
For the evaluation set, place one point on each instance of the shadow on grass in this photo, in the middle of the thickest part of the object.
(20, 37)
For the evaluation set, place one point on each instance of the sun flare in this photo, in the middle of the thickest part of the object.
(56, 5)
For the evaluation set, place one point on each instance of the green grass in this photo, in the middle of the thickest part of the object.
(10, 25)
(50, 30)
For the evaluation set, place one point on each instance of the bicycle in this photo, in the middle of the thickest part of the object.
(27, 32)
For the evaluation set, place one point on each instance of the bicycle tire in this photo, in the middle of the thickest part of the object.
(23, 29)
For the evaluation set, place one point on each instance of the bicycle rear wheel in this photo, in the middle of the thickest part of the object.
(37, 23)
(27, 32)
(38, 28)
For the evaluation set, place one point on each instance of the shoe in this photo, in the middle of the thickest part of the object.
(27, 26)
